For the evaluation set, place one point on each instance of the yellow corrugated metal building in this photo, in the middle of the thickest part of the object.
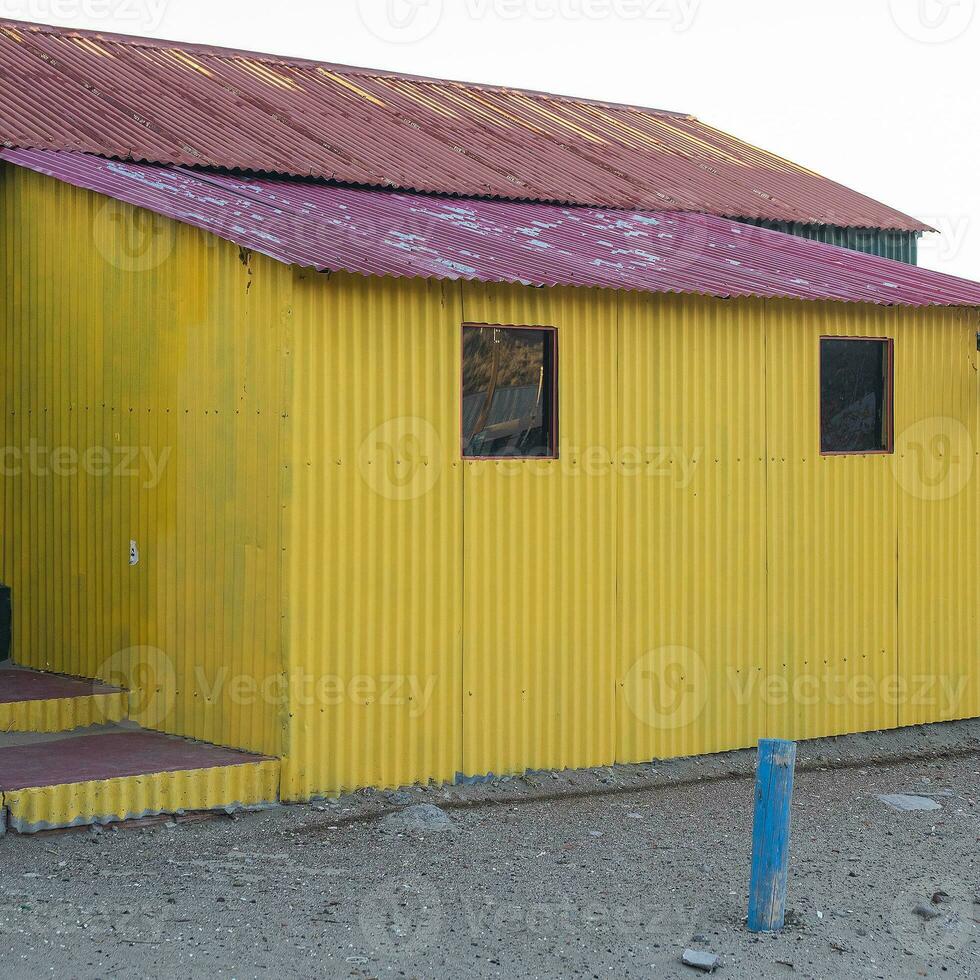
(322, 576)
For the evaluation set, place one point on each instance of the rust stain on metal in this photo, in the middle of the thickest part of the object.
(393, 233)
(163, 102)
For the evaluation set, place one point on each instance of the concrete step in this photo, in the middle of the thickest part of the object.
(107, 773)
(36, 701)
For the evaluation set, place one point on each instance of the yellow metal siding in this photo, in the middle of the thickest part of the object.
(63, 714)
(691, 526)
(126, 797)
(832, 541)
(873, 562)
(373, 550)
(689, 575)
(126, 335)
(539, 568)
(938, 485)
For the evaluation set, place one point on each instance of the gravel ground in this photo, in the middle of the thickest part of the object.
(612, 884)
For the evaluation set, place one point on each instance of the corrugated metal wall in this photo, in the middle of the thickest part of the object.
(902, 246)
(141, 362)
(540, 550)
(873, 569)
(689, 575)
(937, 470)
(832, 526)
(691, 526)
(374, 541)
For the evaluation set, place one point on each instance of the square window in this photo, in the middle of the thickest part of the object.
(855, 395)
(510, 391)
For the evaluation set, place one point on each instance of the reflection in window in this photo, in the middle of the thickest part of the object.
(508, 391)
(855, 396)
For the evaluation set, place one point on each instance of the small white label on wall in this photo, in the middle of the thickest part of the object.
(134, 553)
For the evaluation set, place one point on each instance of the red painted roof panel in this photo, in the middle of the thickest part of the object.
(394, 233)
(164, 102)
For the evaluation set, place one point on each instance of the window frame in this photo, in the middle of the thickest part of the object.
(553, 331)
(889, 392)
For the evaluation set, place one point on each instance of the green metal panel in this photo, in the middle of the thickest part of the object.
(902, 246)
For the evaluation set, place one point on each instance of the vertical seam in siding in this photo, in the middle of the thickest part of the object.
(455, 437)
(619, 619)
(284, 518)
(899, 521)
(767, 627)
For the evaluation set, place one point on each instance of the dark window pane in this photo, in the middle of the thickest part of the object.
(508, 391)
(854, 396)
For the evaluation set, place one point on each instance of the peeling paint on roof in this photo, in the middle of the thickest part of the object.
(394, 233)
(195, 105)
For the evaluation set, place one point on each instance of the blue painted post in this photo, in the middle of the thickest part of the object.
(770, 834)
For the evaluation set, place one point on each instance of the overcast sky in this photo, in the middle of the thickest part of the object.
(882, 95)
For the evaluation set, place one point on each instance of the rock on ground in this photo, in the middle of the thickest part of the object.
(421, 818)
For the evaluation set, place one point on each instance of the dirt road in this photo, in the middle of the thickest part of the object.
(609, 885)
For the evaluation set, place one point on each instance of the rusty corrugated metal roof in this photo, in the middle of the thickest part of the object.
(167, 102)
(396, 233)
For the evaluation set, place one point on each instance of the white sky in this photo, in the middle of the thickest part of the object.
(882, 95)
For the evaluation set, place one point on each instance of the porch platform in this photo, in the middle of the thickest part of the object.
(24, 684)
(69, 757)
(111, 773)
(35, 701)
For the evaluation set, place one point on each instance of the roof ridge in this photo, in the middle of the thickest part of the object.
(267, 57)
